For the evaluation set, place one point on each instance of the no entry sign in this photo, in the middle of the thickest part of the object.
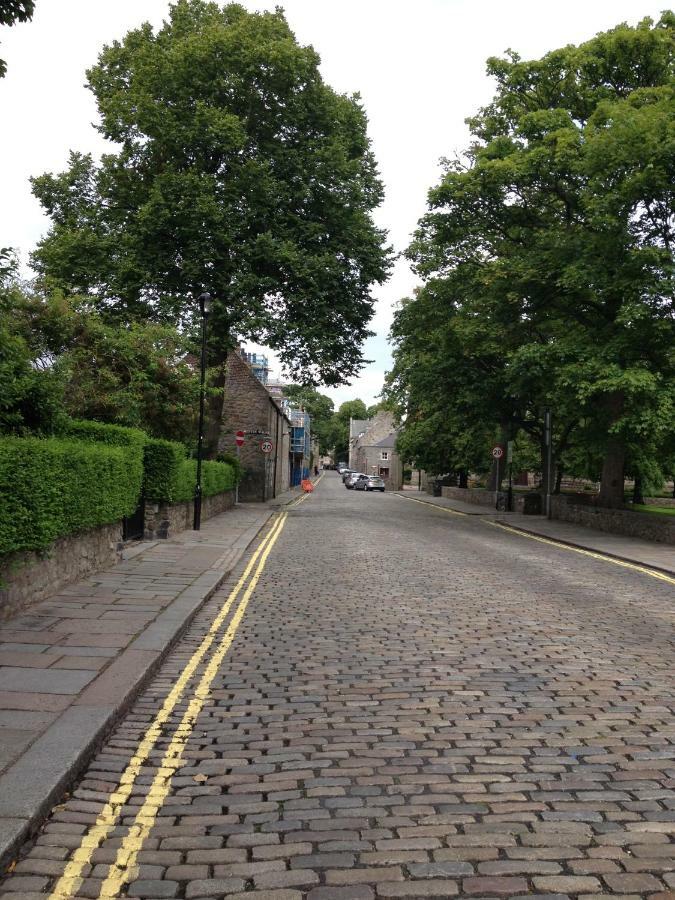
(239, 438)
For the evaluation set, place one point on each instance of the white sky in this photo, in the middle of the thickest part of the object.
(419, 66)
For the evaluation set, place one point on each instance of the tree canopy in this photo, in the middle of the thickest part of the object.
(11, 12)
(236, 170)
(548, 249)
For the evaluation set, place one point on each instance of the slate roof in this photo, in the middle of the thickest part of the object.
(389, 441)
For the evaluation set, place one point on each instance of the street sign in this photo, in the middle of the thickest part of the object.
(266, 446)
(509, 452)
(497, 451)
(239, 438)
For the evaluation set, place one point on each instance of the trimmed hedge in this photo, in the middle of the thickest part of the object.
(170, 477)
(130, 441)
(52, 487)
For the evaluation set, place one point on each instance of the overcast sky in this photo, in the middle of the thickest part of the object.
(418, 64)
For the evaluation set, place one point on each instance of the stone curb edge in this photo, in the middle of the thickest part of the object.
(31, 787)
(487, 512)
(566, 543)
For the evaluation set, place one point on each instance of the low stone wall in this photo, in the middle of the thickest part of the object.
(615, 521)
(668, 502)
(162, 520)
(30, 577)
(479, 496)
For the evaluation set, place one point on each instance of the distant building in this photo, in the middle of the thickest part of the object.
(372, 449)
(259, 364)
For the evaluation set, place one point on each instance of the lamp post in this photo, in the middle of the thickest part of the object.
(204, 306)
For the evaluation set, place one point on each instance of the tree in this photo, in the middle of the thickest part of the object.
(239, 171)
(559, 223)
(140, 375)
(31, 397)
(350, 409)
(12, 11)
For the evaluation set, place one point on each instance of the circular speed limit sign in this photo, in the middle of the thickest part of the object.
(266, 446)
(498, 451)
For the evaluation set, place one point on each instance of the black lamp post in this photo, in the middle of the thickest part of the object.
(204, 306)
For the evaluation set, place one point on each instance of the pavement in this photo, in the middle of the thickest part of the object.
(70, 665)
(382, 699)
(646, 553)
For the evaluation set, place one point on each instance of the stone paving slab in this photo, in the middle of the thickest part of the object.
(636, 550)
(70, 665)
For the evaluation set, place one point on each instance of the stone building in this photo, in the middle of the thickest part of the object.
(249, 407)
(373, 450)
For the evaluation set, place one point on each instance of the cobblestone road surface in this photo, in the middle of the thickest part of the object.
(412, 704)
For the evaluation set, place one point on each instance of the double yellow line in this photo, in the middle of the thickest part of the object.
(122, 869)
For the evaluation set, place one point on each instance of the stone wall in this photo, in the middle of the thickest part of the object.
(163, 520)
(668, 502)
(249, 407)
(650, 527)
(469, 495)
(30, 577)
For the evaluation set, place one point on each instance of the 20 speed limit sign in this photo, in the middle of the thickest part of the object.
(498, 451)
(266, 446)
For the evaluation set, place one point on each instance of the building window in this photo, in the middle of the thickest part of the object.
(384, 473)
(384, 454)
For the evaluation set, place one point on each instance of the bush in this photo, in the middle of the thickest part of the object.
(232, 460)
(130, 441)
(171, 478)
(52, 487)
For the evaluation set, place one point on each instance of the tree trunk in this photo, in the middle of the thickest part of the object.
(558, 479)
(463, 478)
(638, 496)
(612, 478)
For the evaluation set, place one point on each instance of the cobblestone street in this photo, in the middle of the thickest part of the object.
(395, 701)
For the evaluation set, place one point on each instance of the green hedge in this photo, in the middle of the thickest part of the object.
(55, 486)
(170, 477)
(130, 441)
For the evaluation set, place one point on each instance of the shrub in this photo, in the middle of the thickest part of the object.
(171, 478)
(130, 441)
(52, 487)
(232, 460)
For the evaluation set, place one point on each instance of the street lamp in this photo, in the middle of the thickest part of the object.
(204, 306)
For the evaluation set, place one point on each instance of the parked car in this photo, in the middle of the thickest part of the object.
(370, 483)
(345, 473)
(353, 478)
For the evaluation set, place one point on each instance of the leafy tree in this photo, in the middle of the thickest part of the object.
(240, 172)
(12, 11)
(139, 375)
(30, 395)
(559, 224)
(350, 409)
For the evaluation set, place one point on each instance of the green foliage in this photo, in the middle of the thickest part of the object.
(31, 397)
(170, 477)
(12, 11)
(54, 487)
(235, 462)
(350, 409)
(547, 256)
(130, 441)
(236, 170)
(135, 374)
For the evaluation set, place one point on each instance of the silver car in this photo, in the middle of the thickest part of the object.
(370, 483)
(351, 480)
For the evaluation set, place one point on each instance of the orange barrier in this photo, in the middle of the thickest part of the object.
(307, 485)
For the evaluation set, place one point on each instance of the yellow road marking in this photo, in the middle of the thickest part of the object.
(592, 553)
(302, 498)
(446, 509)
(120, 871)
(69, 883)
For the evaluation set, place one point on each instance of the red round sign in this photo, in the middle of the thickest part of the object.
(239, 438)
